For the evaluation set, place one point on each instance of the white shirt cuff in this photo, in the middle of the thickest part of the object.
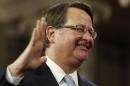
(11, 79)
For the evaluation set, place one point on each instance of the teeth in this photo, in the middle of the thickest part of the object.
(82, 46)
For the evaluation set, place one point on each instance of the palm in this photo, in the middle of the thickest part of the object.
(31, 57)
(34, 49)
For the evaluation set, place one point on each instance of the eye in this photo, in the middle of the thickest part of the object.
(79, 28)
(91, 32)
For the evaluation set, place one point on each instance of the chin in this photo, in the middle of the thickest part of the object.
(81, 53)
(77, 59)
(81, 56)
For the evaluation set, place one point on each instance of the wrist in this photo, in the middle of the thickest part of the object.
(15, 71)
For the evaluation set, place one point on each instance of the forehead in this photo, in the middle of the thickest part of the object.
(77, 16)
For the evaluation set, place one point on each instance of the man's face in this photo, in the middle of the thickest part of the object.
(72, 46)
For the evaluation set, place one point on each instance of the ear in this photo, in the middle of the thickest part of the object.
(50, 34)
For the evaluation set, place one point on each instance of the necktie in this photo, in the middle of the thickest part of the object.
(68, 79)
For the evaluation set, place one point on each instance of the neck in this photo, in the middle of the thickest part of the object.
(68, 67)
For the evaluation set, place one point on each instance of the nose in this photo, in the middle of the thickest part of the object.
(87, 36)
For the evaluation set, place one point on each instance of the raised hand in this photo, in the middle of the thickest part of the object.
(31, 56)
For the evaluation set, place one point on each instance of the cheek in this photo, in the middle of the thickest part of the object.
(63, 37)
(66, 40)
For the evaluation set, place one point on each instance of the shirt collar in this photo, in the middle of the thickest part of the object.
(55, 69)
(58, 72)
(74, 77)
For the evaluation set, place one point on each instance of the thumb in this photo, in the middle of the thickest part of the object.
(43, 59)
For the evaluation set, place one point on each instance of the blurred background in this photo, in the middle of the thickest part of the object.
(109, 62)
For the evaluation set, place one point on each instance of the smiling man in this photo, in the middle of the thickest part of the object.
(67, 31)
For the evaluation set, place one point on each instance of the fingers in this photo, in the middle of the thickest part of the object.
(39, 31)
(41, 27)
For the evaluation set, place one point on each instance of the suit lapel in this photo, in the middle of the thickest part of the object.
(80, 81)
(42, 76)
(84, 82)
(47, 76)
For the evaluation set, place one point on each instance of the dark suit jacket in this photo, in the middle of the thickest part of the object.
(42, 76)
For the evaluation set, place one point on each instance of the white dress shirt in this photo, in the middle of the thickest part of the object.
(59, 73)
(55, 69)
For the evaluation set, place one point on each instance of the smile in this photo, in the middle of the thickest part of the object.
(83, 47)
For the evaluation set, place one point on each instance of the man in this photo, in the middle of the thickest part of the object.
(67, 30)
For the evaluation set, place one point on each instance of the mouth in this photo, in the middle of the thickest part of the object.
(84, 45)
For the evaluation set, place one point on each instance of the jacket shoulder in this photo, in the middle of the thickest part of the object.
(2, 73)
(85, 82)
